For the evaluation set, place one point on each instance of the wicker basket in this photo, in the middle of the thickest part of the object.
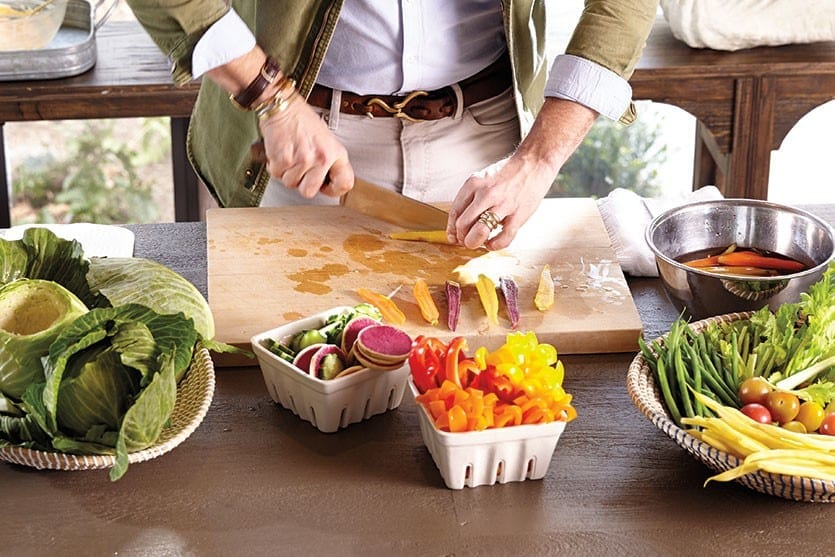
(645, 394)
(194, 395)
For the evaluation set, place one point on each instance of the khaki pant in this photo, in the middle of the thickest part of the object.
(428, 161)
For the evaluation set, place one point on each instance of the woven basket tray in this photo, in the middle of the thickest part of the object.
(194, 395)
(645, 394)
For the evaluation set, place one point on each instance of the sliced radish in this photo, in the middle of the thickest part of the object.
(319, 357)
(384, 341)
(349, 370)
(353, 328)
(302, 359)
(389, 366)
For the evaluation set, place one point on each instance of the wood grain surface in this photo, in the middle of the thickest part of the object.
(269, 266)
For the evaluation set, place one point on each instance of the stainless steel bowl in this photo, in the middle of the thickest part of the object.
(714, 225)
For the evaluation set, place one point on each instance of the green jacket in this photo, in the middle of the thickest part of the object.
(611, 33)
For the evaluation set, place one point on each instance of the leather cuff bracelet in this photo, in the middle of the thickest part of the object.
(265, 77)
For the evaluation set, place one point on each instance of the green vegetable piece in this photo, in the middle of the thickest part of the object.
(305, 338)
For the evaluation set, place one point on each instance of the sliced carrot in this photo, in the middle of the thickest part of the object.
(747, 258)
(391, 313)
(703, 262)
(427, 306)
(489, 299)
(433, 236)
(544, 297)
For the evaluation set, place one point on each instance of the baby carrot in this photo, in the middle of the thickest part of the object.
(427, 306)
(544, 297)
(489, 299)
(747, 258)
(391, 313)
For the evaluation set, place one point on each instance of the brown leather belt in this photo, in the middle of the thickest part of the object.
(422, 105)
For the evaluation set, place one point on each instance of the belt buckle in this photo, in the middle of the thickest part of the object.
(397, 109)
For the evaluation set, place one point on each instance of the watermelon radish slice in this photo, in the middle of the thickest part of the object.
(352, 329)
(382, 346)
(362, 359)
(349, 370)
(302, 359)
(327, 362)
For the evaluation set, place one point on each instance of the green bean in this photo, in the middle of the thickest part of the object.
(664, 385)
(681, 375)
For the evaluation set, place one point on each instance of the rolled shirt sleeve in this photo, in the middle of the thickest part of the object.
(227, 39)
(590, 84)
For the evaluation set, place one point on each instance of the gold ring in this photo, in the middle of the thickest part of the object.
(490, 220)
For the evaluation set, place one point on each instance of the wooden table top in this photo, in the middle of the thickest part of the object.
(131, 78)
(254, 479)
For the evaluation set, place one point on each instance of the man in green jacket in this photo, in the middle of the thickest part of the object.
(446, 102)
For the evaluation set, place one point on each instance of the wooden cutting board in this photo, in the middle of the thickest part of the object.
(269, 266)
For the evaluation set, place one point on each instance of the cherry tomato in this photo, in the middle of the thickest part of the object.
(757, 412)
(782, 405)
(828, 425)
(754, 389)
(830, 408)
(794, 426)
(811, 415)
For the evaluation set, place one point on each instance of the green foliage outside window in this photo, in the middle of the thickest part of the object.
(613, 156)
(98, 180)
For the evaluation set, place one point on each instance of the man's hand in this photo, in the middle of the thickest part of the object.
(513, 188)
(301, 151)
(304, 154)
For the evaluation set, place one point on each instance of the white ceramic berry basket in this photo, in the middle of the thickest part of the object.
(500, 455)
(328, 405)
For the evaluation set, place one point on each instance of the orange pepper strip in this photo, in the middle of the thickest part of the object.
(427, 306)
(391, 313)
(489, 298)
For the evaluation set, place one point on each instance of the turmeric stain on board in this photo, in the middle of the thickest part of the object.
(376, 254)
(315, 280)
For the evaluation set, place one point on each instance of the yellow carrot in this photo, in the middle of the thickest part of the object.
(489, 299)
(391, 313)
(433, 236)
(544, 298)
(427, 306)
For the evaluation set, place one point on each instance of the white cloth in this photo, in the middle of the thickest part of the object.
(738, 24)
(361, 58)
(627, 215)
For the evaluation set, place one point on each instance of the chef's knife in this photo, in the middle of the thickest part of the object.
(389, 206)
(382, 204)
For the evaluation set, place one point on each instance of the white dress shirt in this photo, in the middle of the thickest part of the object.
(385, 47)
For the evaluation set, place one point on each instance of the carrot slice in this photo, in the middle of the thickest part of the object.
(427, 306)
(433, 236)
(489, 299)
(544, 298)
(391, 313)
(747, 258)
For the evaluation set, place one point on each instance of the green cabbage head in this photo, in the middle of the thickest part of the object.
(32, 314)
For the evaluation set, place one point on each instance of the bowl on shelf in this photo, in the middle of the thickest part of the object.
(328, 404)
(29, 24)
(707, 227)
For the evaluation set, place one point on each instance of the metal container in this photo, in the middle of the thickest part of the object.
(71, 52)
(715, 225)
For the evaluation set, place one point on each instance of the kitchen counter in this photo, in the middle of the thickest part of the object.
(254, 479)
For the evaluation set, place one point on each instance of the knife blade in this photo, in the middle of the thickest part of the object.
(389, 206)
(379, 203)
